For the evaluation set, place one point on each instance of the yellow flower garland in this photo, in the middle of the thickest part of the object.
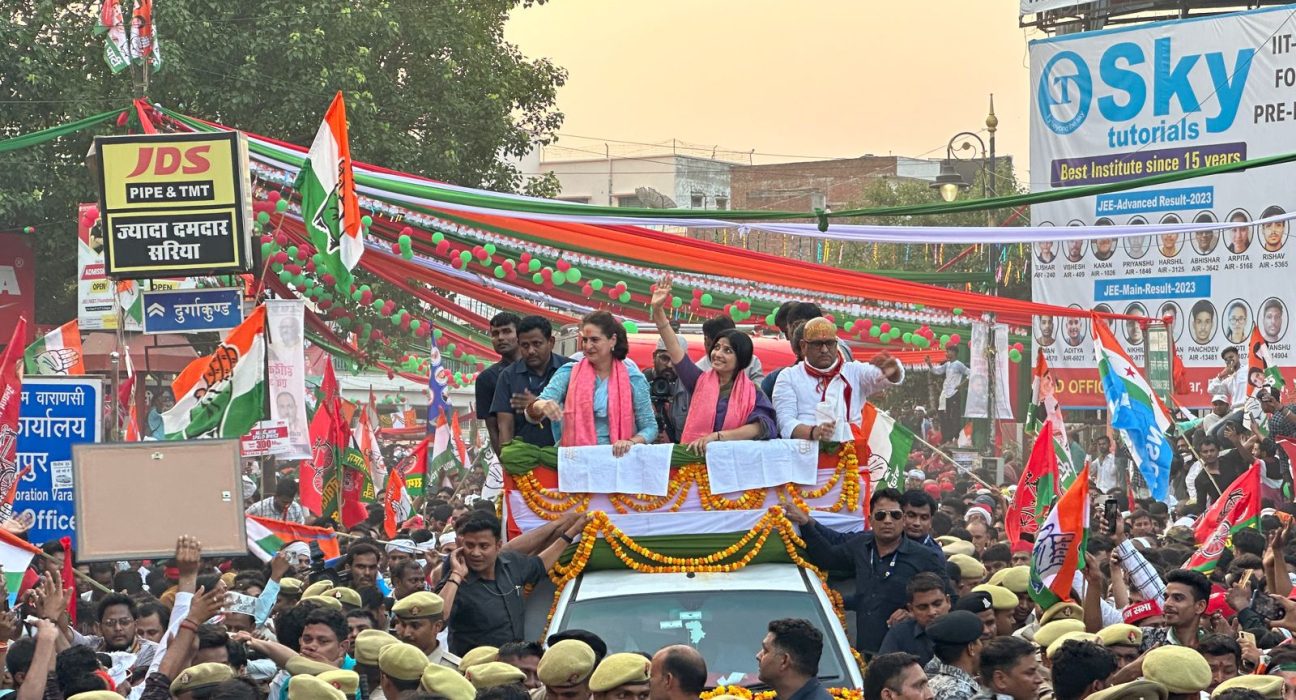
(739, 691)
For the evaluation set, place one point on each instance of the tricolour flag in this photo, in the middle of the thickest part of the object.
(58, 352)
(1236, 509)
(11, 376)
(888, 444)
(1045, 407)
(327, 186)
(1037, 488)
(222, 394)
(15, 557)
(265, 536)
(1060, 545)
(127, 414)
(396, 503)
(1137, 413)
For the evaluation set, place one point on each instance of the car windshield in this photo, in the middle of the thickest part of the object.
(726, 627)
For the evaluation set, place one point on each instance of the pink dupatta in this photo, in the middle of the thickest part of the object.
(702, 407)
(578, 407)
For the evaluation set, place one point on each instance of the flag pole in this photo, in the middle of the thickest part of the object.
(951, 460)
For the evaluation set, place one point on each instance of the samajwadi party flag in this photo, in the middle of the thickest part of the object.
(1060, 545)
(15, 557)
(1236, 509)
(327, 186)
(58, 352)
(888, 447)
(1261, 370)
(266, 536)
(225, 396)
(1036, 489)
(1136, 411)
(11, 376)
(414, 468)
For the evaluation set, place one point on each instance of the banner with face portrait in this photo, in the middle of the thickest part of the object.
(986, 336)
(286, 365)
(1120, 104)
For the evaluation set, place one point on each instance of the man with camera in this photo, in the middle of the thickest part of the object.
(1231, 382)
(670, 399)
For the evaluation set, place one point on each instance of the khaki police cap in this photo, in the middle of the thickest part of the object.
(1001, 598)
(1052, 649)
(1141, 689)
(617, 670)
(402, 661)
(967, 566)
(1014, 578)
(958, 547)
(493, 673)
(1269, 686)
(566, 663)
(478, 655)
(290, 585)
(418, 605)
(1179, 669)
(301, 666)
(369, 643)
(445, 681)
(96, 695)
(201, 676)
(317, 588)
(312, 688)
(346, 681)
(1120, 634)
(1047, 634)
(1065, 610)
(344, 595)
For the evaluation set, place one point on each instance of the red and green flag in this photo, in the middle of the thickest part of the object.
(1037, 488)
(1238, 508)
(1060, 545)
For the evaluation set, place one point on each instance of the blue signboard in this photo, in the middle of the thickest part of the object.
(56, 413)
(192, 310)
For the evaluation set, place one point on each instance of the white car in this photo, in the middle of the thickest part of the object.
(723, 615)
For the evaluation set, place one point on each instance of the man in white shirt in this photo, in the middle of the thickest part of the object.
(821, 396)
(955, 373)
(1231, 382)
(1107, 476)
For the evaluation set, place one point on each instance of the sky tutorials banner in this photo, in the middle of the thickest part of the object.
(1126, 103)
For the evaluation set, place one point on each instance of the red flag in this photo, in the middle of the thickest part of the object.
(330, 437)
(461, 451)
(11, 375)
(1236, 509)
(127, 416)
(69, 578)
(1037, 488)
(396, 504)
(413, 468)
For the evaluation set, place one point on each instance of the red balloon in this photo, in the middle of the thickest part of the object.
(274, 196)
(587, 290)
(563, 265)
(885, 327)
(955, 338)
(866, 324)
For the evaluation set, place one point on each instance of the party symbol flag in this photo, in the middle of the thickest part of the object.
(1137, 413)
(330, 209)
(888, 444)
(1037, 488)
(58, 352)
(1238, 508)
(222, 394)
(11, 376)
(1060, 545)
(1262, 371)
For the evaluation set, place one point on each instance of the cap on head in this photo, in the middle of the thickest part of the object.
(317, 588)
(1141, 689)
(312, 688)
(402, 661)
(957, 546)
(620, 669)
(493, 673)
(291, 586)
(1179, 669)
(1001, 598)
(1049, 633)
(1014, 578)
(975, 602)
(1081, 636)
(819, 328)
(566, 663)
(967, 566)
(445, 681)
(370, 643)
(1120, 634)
(344, 680)
(1065, 610)
(418, 605)
(956, 627)
(1271, 687)
(201, 676)
(344, 595)
(478, 655)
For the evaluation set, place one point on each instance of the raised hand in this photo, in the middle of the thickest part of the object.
(661, 292)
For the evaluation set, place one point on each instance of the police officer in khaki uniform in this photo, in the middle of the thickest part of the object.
(419, 619)
(564, 671)
(621, 677)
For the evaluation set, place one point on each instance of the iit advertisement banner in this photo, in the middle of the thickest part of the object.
(1131, 102)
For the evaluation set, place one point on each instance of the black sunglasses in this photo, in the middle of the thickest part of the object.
(882, 514)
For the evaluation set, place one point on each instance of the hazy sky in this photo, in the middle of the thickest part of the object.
(825, 78)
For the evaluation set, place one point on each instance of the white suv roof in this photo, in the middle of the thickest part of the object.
(763, 577)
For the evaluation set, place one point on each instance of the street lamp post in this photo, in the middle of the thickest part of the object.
(949, 183)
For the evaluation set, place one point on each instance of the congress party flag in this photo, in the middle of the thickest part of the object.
(1137, 413)
(1060, 545)
(330, 209)
(888, 444)
(58, 352)
(222, 394)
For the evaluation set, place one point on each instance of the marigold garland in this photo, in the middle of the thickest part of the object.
(745, 693)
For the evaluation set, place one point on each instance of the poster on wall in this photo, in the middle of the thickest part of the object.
(1131, 102)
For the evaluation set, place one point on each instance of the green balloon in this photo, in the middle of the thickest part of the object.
(437, 333)
(958, 311)
(735, 313)
(450, 347)
(1014, 355)
(285, 276)
(536, 278)
(267, 249)
(596, 284)
(366, 221)
(263, 217)
(458, 377)
(874, 331)
(707, 299)
(573, 275)
(624, 298)
(944, 339)
(533, 265)
(769, 319)
(500, 273)
(415, 325)
(559, 278)
(281, 205)
(465, 256)
(437, 237)
(630, 326)
(676, 302)
(490, 248)
(907, 337)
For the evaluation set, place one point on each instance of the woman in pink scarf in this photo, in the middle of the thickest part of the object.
(724, 403)
(602, 399)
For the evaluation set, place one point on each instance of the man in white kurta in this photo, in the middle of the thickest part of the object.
(1231, 382)
(821, 396)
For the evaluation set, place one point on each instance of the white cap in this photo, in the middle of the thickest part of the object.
(977, 511)
(402, 545)
(1219, 397)
(916, 474)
